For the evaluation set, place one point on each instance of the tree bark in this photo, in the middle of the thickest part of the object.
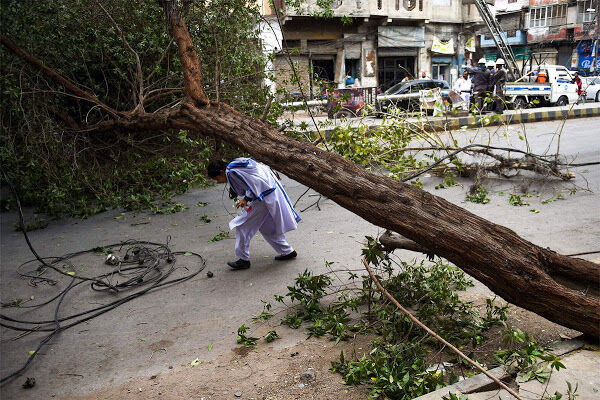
(190, 63)
(509, 265)
(573, 275)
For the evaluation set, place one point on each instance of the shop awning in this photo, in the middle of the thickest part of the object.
(401, 36)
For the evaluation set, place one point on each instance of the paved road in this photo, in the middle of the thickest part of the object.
(304, 121)
(186, 318)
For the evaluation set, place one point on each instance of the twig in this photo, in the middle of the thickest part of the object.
(435, 335)
(267, 108)
(140, 74)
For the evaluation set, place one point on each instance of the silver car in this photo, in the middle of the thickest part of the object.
(591, 85)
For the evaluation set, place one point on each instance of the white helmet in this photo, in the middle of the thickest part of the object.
(481, 61)
(490, 64)
(499, 61)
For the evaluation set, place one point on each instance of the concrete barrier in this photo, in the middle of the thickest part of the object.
(452, 123)
(513, 117)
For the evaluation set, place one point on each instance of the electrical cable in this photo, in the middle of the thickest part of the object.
(141, 266)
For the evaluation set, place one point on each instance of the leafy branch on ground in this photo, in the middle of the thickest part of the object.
(219, 236)
(403, 362)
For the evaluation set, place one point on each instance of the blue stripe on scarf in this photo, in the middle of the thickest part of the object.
(298, 219)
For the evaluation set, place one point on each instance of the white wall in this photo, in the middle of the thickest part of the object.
(505, 6)
(271, 37)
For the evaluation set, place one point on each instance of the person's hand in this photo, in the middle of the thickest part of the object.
(241, 203)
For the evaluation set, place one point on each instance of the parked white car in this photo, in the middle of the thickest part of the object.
(591, 84)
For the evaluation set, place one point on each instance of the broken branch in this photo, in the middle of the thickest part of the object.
(435, 335)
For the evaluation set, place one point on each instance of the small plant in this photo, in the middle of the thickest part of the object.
(265, 314)
(479, 195)
(31, 226)
(201, 204)
(515, 200)
(205, 219)
(247, 341)
(454, 396)
(219, 236)
(271, 336)
(168, 207)
(531, 360)
(571, 393)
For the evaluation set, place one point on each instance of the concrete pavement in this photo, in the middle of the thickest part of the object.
(185, 319)
(452, 122)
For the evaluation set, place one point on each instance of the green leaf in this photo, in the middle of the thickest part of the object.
(210, 346)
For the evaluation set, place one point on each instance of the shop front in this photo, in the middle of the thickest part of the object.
(397, 50)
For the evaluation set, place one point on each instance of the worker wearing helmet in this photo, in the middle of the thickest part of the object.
(480, 77)
(498, 81)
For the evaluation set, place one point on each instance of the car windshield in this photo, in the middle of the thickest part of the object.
(396, 88)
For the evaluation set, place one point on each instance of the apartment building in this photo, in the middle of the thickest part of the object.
(375, 42)
(563, 32)
(379, 42)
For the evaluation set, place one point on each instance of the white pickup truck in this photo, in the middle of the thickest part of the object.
(557, 89)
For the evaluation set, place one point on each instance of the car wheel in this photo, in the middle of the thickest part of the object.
(519, 103)
(345, 113)
(562, 101)
(598, 96)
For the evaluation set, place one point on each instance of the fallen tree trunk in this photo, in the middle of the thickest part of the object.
(509, 265)
(573, 275)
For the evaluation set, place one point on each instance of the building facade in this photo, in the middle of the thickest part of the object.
(371, 42)
(380, 42)
(563, 32)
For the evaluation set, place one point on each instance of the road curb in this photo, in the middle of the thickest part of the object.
(525, 116)
(481, 383)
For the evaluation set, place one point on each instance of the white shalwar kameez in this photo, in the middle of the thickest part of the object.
(269, 209)
(463, 87)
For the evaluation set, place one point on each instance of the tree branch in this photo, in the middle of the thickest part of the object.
(53, 75)
(140, 75)
(190, 63)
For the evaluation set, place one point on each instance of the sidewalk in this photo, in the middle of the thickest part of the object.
(448, 122)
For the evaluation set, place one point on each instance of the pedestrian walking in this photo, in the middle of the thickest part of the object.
(265, 206)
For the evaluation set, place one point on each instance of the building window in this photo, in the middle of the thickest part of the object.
(584, 11)
(548, 16)
(379, 4)
(420, 5)
(512, 1)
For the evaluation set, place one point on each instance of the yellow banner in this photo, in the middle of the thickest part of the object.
(442, 47)
(470, 45)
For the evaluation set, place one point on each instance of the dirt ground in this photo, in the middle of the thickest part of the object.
(269, 371)
(284, 369)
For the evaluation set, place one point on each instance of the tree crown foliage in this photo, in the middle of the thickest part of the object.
(61, 169)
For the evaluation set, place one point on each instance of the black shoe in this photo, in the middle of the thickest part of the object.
(239, 264)
(289, 256)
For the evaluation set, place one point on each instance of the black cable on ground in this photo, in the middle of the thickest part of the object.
(144, 265)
